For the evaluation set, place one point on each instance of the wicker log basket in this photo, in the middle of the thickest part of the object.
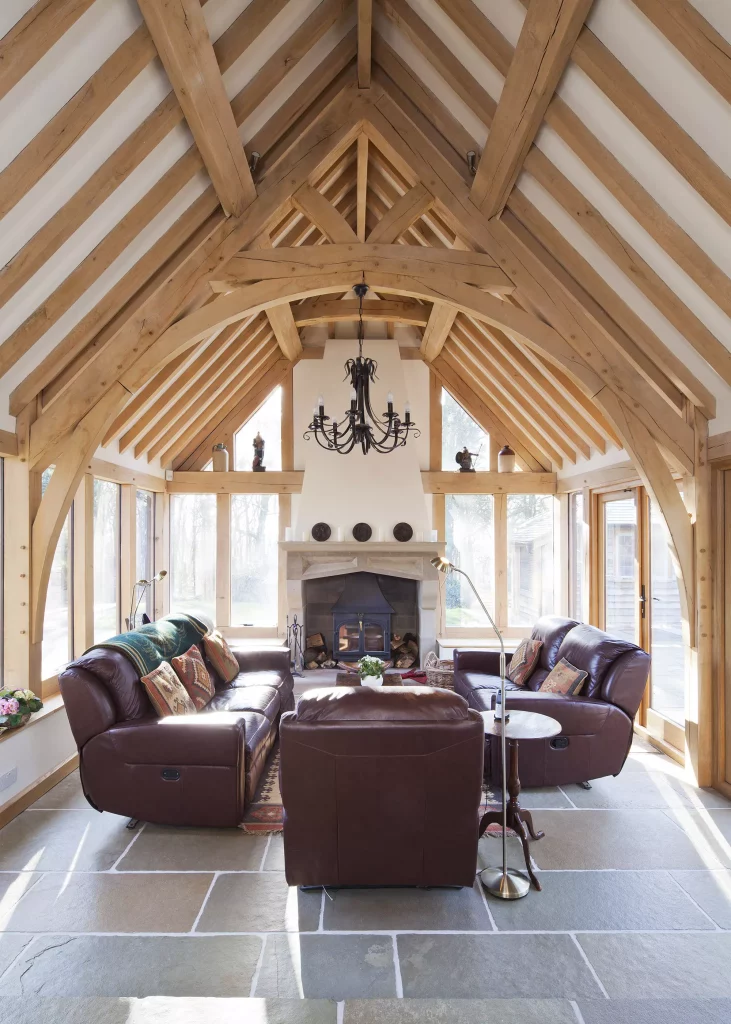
(439, 671)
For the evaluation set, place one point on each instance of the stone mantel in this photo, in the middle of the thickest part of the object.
(309, 560)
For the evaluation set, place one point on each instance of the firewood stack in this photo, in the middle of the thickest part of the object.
(316, 655)
(404, 650)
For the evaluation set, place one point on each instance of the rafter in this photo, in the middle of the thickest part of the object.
(547, 37)
(365, 28)
(181, 37)
(573, 131)
(362, 186)
(322, 213)
(405, 211)
(34, 35)
(689, 32)
(437, 330)
(124, 354)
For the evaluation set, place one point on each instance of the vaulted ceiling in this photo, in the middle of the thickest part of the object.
(572, 169)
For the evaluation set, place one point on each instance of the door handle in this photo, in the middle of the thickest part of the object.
(643, 602)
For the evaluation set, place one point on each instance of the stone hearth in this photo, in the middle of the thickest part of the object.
(310, 560)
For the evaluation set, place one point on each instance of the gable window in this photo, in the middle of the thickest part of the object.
(267, 421)
(459, 430)
(471, 547)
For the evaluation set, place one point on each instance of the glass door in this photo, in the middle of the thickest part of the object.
(621, 600)
(667, 678)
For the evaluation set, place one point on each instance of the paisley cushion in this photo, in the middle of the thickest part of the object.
(167, 693)
(221, 656)
(195, 677)
(564, 678)
(524, 661)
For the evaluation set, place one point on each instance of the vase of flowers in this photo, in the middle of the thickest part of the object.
(16, 707)
(370, 671)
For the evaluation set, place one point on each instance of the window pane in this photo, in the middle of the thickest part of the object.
(666, 625)
(193, 554)
(56, 647)
(267, 421)
(460, 430)
(531, 572)
(254, 559)
(471, 547)
(106, 560)
(578, 552)
(620, 579)
(145, 565)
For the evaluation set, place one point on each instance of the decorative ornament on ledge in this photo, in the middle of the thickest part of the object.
(16, 707)
(220, 458)
(361, 426)
(258, 464)
(464, 460)
(506, 460)
(321, 532)
(362, 532)
(403, 532)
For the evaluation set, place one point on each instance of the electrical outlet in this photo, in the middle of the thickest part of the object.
(8, 779)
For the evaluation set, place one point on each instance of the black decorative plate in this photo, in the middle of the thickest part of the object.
(403, 532)
(321, 531)
(362, 531)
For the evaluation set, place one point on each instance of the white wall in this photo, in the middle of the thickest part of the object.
(34, 750)
(380, 490)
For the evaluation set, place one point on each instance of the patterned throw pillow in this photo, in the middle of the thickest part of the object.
(563, 678)
(167, 693)
(524, 661)
(195, 677)
(222, 657)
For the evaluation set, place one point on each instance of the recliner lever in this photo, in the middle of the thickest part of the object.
(170, 774)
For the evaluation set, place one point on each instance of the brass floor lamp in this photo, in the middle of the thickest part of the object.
(500, 882)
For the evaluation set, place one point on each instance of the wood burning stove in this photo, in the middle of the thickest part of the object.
(361, 620)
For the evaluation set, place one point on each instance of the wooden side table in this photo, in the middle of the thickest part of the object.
(521, 725)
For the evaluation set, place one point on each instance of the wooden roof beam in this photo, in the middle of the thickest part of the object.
(601, 161)
(365, 28)
(179, 32)
(322, 213)
(437, 330)
(546, 40)
(33, 36)
(685, 27)
(391, 309)
(408, 209)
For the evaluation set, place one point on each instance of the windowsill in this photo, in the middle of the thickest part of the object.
(51, 705)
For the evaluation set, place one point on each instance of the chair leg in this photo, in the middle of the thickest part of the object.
(585, 785)
(132, 824)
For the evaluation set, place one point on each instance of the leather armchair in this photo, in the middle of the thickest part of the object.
(381, 787)
(596, 726)
(183, 770)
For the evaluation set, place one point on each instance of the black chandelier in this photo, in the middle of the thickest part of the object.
(360, 425)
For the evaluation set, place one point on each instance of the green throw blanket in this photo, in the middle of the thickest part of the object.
(150, 645)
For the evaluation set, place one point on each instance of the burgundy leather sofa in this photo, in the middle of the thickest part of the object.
(381, 787)
(596, 726)
(182, 770)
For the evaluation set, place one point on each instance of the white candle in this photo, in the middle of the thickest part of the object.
(339, 533)
(305, 536)
(434, 536)
(419, 536)
(288, 533)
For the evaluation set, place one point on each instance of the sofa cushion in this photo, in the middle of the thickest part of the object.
(381, 704)
(482, 681)
(552, 630)
(193, 674)
(265, 678)
(262, 699)
(523, 661)
(166, 692)
(564, 678)
(590, 649)
(221, 655)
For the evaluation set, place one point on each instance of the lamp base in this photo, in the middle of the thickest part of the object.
(508, 885)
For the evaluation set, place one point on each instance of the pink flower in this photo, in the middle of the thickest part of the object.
(9, 706)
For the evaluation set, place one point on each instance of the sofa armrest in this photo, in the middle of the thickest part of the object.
(213, 739)
(479, 661)
(264, 661)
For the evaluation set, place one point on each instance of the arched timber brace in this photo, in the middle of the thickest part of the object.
(56, 502)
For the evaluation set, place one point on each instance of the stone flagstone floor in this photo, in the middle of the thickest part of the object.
(633, 926)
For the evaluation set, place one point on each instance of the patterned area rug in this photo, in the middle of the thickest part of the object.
(265, 814)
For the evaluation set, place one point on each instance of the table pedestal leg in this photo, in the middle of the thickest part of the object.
(517, 819)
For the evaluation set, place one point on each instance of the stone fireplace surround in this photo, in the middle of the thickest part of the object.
(308, 560)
